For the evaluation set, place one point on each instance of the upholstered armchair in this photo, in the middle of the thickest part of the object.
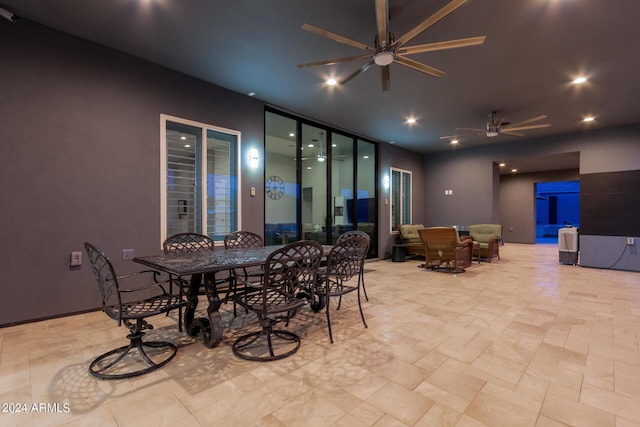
(443, 247)
(489, 236)
(408, 235)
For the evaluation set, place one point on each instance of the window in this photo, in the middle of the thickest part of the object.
(199, 178)
(400, 198)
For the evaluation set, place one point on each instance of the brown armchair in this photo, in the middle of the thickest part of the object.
(443, 247)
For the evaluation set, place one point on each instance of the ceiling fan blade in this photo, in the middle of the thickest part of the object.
(509, 133)
(336, 37)
(334, 61)
(451, 7)
(451, 44)
(386, 78)
(531, 120)
(382, 20)
(472, 129)
(512, 128)
(362, 69)
(419, 67)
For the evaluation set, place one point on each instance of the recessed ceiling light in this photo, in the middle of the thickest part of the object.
(579, 80)
(334, 145)
(411, 120)
(183, 138)
(331, 82)
(187, 146)
(309, 167)
(365, 157)
(251, 94)
(392, 142)
(292, 134)
(454, 141)
(502, 164)
(588, 119)
(514, 170)
(310, 145)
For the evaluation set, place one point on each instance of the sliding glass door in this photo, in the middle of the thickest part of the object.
(319, 182)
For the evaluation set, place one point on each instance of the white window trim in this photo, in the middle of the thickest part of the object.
(163, 169)
(402, 171)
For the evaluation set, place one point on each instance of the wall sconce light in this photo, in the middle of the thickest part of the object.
(385, 182)
(254, 158)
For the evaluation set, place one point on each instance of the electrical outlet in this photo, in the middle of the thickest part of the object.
(631, 241)
(128, 254)
(76, 259)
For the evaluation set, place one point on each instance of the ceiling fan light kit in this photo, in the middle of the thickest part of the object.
(387, 49)
(383, 58)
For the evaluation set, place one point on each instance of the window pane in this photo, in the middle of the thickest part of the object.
(281, 189)
(366, 204)
(222, 185)
(342, 194)
(183, 180)
(315, 221)
(400, 198)
(395, 200)
(406, 198)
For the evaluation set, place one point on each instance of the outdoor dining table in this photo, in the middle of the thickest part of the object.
(206, 265)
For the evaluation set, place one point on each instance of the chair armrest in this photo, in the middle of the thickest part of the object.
(156, 282)
(464, 243)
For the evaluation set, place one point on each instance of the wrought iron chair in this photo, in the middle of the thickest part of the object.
(243, 240)
(349, 235)
(345, 261)
(289, 273)
(121, 304)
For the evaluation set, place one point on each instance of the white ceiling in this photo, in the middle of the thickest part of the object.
(532, 51)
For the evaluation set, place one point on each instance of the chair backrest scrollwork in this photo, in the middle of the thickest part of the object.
(187, 243)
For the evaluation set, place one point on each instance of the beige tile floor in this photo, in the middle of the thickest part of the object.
(523, 341)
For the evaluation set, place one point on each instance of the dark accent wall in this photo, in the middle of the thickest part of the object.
(80, 149)
(610, 203)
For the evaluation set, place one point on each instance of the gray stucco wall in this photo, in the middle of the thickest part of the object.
(80, 144)
(393, 156)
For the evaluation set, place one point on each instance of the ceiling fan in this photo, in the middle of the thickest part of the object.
(495, 127)
(387, 49)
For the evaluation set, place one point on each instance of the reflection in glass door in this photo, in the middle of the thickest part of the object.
(281, 189)
(316, 224)
(342, 194)
(367, 206)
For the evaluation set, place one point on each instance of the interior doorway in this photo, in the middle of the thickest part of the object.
(557, 206)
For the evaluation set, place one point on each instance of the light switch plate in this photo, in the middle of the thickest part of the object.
(76, 259)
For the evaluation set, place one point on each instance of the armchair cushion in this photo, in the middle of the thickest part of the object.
(408, 234)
